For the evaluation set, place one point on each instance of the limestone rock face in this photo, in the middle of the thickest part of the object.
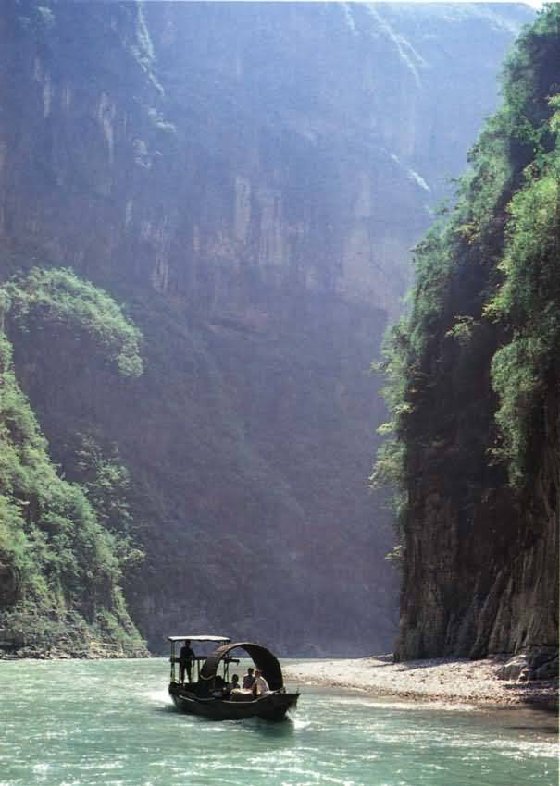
(452, 606)
(481, 570)
(250, 179)
(481, 519)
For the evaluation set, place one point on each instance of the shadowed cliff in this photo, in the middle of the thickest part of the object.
(474, 390)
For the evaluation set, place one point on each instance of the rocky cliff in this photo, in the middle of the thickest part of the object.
(475, 390)
(249, 179)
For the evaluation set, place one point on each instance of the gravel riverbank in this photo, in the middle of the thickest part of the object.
(437, 679)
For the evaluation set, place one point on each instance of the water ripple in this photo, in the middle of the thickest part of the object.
(77, 723)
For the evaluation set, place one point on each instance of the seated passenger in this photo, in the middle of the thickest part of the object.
(249, 679)
(260, 687)
(219, 687)
(237, 693)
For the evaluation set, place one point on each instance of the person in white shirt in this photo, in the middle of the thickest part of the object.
(260, 686)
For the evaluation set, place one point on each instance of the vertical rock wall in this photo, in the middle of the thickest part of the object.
(480, 429)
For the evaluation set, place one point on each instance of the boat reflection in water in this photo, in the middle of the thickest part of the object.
(208, 691)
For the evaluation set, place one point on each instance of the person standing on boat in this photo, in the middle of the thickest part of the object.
(260, 687)
(186, 660)
(249, 679)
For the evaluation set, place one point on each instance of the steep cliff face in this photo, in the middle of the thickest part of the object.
(476, 364)
(249, 178)
(317, 139)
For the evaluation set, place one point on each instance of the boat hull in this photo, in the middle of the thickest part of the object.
(273, 706)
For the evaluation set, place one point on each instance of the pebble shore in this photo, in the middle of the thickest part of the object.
(437, 679)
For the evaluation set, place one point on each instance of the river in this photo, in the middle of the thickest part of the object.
(110, 723)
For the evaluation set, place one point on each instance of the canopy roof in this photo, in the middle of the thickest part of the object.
(263, 659)
(215, 639)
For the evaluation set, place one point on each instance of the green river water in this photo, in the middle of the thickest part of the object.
(110, 723)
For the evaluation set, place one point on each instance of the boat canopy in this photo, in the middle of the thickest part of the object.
(214, 639)
(262, 657)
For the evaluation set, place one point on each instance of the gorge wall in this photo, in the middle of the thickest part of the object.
(475, 390)
(248, 179)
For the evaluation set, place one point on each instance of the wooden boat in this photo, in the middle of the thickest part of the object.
(209, 694)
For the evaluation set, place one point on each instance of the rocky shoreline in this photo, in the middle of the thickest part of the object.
(458, 680)
(93, 650)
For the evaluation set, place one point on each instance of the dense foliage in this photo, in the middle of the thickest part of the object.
(501, 244)
(526, 370)
(60, 542)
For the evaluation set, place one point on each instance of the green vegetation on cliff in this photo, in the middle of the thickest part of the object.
(62, 544)
(473, 386)
(526, 370)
